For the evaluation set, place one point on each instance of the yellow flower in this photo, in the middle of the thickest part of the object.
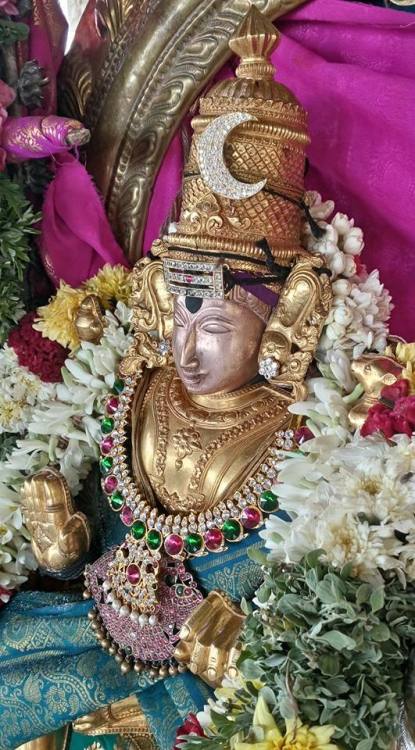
(405, 353)
(56, 320)
(297, 736)
(112, 283)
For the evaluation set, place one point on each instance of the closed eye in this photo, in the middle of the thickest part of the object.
(215, 325)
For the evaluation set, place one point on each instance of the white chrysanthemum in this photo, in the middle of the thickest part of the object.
(355, 501)
(20, 390)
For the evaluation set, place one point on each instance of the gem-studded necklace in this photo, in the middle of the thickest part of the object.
(181, 535)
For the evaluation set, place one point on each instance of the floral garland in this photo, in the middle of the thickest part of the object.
(56, 423)
(327, 640)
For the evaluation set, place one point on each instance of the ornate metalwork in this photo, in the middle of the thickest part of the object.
(146, 63)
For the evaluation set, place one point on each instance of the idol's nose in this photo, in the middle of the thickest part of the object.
(188, 358)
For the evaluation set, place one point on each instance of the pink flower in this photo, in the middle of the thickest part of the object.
(8, 7)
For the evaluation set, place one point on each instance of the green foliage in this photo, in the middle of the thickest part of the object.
(332, 649)
(12, 32)
(7, 443)
(17, 220)
(324, 647)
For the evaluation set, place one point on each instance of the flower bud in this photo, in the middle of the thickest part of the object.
(353, 242)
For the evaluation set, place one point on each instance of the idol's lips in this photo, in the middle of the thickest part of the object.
(191, 376)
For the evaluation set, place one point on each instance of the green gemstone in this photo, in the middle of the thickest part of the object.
(106, 464)
(179, 589)
(116, 501)
(138, 530)
(268, 501)
(193, 543)
(107, 425)
(153, 539)
(231, 530)
(118, 386)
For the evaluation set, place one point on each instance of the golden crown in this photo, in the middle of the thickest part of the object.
(244, 178)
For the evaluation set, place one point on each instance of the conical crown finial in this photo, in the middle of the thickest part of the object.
(254, 42)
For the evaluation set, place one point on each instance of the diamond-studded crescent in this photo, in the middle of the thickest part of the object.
(211, 161)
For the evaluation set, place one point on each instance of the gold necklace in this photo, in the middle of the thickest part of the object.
(181, 535)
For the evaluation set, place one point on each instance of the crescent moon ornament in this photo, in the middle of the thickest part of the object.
(211, 161)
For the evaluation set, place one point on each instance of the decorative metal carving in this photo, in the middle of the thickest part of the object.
(146, 63)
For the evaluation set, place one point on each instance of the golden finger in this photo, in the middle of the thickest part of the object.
(198, 659)
(217, 660)
(182, 652)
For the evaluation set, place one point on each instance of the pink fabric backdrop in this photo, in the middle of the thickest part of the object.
(352, 67)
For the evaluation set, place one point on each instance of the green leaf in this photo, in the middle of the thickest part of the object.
(377, 599)
(257, 555)
(363, 593)
(365, 745)
(338, 640)
(337, 685)
(329, 664)
(380, 632)
(251, 669)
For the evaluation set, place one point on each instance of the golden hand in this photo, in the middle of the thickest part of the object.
(209, 638)
(124, 717)
(60, 535)
(373, 372)
(89, 319)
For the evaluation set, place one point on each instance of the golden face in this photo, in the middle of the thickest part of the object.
(215, 344)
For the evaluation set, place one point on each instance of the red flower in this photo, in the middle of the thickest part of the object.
(190, 726)
(302, 434)
(395, 391)
(396, 416)
(379, 419)
(41, 356)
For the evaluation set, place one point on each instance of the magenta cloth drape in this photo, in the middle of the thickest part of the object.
(76, 239)
(352, 67)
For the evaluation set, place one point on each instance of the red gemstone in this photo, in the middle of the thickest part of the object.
(127, 516)
(133, 574)
(251, 517)
(112, 405)
(173, 545)
(110, 484)
(213, 539)
(106, 445)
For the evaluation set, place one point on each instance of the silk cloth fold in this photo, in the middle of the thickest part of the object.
(351, 66)
(52, 670)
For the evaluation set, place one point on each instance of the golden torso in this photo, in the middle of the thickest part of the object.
(190, 453)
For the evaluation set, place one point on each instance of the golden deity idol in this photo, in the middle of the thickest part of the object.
(228, 310)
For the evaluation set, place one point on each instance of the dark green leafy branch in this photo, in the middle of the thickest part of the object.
(328, 648)
(17, 226)
(12, 32)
